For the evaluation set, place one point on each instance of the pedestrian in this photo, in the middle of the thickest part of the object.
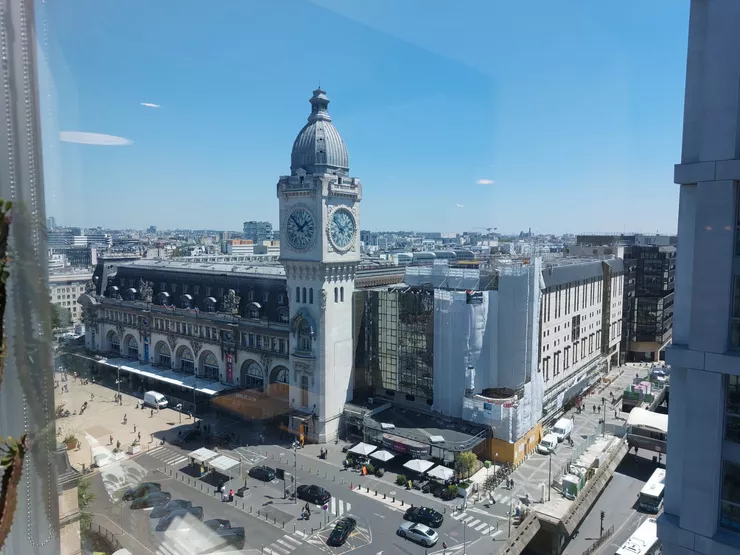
(110, 440)
(139, 436)
(151, 413)
(231, 495)
(134, 428)
(92, 396)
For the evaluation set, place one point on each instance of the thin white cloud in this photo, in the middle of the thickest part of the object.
(460, 205)
(150, 105)
(485, 182)
(85, 138)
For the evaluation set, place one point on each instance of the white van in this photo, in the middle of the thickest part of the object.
(548, 444)
(155, 399)
(562, 428)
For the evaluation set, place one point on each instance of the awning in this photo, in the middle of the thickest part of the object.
(382, 455)
(255, 305)
(208, 387)
(646, 419)
(210, 300)
(222, 463)
(363, 449)
(441, 472)
(186, 297)
(418, 465)
(202, 455)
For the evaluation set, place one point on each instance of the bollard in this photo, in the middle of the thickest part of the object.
(283, 525)
(394, 498)
(301, 467)
(333, 478)
(376, 493)
(274, 520)
(401, 502)
(367, 489)
(444, 510)
(384, 496)
(412, 505)
(263, 548)
(294, 527)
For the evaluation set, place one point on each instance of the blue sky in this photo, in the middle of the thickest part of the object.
(572, 109)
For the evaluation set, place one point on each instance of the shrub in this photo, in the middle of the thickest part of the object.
(379, 472)
(370, 468)
(401, 480)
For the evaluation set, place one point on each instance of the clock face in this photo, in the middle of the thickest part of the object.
(301, 228)
(342, 228)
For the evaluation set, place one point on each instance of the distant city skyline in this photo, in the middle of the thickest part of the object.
(519, 118)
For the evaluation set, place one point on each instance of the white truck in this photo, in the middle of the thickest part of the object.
(562, 428)
(548, 444)
(155, 399)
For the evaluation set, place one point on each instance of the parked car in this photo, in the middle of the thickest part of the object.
(419, 533)
(424, 515)
(187, 436)
(141, 490)
(264, 473)
(313, 494)
(216, 541)
(154, 499)
(154, 399)
(163, 510)
(180, 519)
(217, 523)
(343, 529)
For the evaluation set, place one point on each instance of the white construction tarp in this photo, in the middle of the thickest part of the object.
(363, 449)
(382, 455)
(645, 419)
(222, 463)
(418, 465)
(202, 455)
(441, 472)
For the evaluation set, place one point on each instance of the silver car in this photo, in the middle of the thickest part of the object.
(419, 533)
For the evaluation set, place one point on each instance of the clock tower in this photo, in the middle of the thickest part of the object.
(320, 251)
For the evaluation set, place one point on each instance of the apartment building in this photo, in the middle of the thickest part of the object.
(66, 287)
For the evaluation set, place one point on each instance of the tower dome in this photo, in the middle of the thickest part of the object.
(319, 147)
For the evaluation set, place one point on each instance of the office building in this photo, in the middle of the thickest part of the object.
(65, 289)
(258, 231)
(701, 513)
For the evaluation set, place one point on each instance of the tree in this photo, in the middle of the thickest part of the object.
(60, 317)
(466, 463)
(85, 497)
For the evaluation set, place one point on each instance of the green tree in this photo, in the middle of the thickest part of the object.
(85, 497)
(60, 317)
(466, 463)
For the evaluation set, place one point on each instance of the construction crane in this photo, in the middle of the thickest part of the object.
(488, 229)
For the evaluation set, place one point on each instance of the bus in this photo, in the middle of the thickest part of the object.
(651, 497)
(644, 541)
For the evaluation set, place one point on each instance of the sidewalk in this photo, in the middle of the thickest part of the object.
(104, 418)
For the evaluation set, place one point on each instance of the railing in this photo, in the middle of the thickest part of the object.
(107, 534)
(599, 542)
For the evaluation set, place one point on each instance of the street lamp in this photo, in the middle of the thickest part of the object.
(603, 423)
(179, 407)
(549, 476)
(295, 470)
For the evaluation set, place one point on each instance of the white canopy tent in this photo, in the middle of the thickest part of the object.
(202, 455)
(418, 465)
(643, 418)
(363, 449)
(442, 473)
(382, 455)
(223, 464)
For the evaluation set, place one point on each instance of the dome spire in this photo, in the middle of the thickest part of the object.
(319, 106)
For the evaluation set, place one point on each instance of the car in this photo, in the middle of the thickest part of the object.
(154, 499)
(216, 541)
(163, 510)
(187, 436)
(264, 473)
(424, 515)
(180, 519)
(313, 494)
(419, 533)
(217, 523)
(141, 490)
(342, 531)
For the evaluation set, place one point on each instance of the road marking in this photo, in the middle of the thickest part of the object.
(293, 541)
(480, 526)
(458, 516)
(300, 534)
(468, 519)
(381, 516)
(287, 546)
(474, 523)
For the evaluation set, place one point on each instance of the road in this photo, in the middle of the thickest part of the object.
(619, 503)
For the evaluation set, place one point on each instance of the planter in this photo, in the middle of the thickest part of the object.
(463, 491)
(72, 444)
(133, 449)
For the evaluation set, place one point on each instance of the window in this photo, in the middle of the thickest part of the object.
(133, 347)
(730, 506)
(115, 343)
(210, 367)
(304, 391)
(252, 376)
(297, 294)
(310, 296)
(735, 314)
(341, 294)
(186, 361)
(283, 315)
(304, 336)
(253, 312)
(732, 409)
(336, 295)
(303, 296)
(163, 355)
(281, 345)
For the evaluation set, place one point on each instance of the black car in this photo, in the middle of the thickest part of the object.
(187, 436)
(154, 499)
(264, 473)
(163, 510)
(141, 490)
(342, 531)
(313, 494)
(217, 523)
(424, 515)
(180, 519)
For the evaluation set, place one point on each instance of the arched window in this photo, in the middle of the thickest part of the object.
(186, 361)
(310, 296)
(341, 294)
(210, 367)
(304, 336)
(164, 356)
(336, 295)
(115, 343)
(253, 377)
(132, 347)
(297, 294)
(253, 312)
(280, 375)
(303, 297)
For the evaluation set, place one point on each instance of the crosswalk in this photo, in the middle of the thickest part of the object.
(285, 545)
(337, 507)
(167, 456)
(477, 524)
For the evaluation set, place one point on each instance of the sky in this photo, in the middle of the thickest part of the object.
(562, 117)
